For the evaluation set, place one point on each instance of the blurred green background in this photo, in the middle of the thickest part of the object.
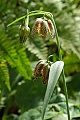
(20, 97)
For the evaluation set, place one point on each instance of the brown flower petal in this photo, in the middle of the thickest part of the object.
(38, 68)
(51, 28)
(43, 26)
(43, 29)
(36, 27)
(45, 73)
(42, 68)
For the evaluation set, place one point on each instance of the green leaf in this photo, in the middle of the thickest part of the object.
(14, 53)
(69, 32)
(37, 46)
(12, 117)
(27, 91)
(71, 61)
(60, 117)
(24, 116)
(75, 110)
(4, 75)
(55, 71)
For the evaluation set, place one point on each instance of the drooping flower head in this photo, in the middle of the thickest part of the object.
(43, 26)
(42, 69)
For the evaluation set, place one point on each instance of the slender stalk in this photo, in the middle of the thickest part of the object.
(63, 75)
(66, 94)
(29, 14)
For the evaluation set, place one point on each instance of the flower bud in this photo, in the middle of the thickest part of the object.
(24, 33)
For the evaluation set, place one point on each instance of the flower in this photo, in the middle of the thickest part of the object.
(24, 33)
(45, 73)
(40, 26)
(43, 29)
(43, 26)
(42, 68)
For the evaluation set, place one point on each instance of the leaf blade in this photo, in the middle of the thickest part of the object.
(56, 68)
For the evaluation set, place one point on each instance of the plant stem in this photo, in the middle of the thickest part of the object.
(63, 75)
(66, 94)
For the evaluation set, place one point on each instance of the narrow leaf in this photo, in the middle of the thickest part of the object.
(55, 71)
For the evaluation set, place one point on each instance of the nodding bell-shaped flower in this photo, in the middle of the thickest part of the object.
(42, 68)
(40, 26)
(23, 33)
(43, 26)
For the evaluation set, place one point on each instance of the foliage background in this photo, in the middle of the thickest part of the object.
(20, 96)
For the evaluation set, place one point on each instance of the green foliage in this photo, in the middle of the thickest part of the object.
(23, 99)
(37, 46)
(32, 95)
(54, 112)
(4, 74)
(70, 38)
(73, 62)
(12, 117)
(57, 68)
(14, 54)
(67, 19)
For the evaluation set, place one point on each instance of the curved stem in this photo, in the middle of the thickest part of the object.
(63, 75)
(49, 57)
(33, 13)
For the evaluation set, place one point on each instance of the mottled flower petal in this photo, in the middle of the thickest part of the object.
(42, 68)
(51, 28)
(43, 29)
(45, 73)
(38, 68)
(36, 27)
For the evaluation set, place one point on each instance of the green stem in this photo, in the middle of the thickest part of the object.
(49, 57)
(63, 75)
(33, 13)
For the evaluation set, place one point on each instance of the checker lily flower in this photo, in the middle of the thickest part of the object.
(43, 26)
(42, 69)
